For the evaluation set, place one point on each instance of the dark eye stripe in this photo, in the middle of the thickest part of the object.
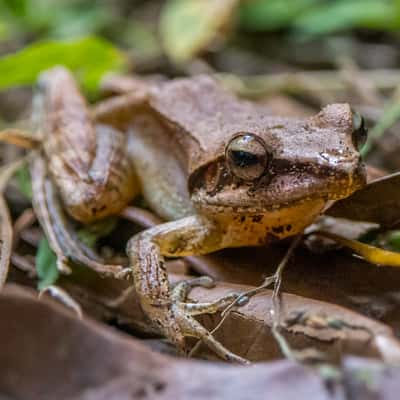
(243, 158)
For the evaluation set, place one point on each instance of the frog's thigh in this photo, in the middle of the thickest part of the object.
(161, 176)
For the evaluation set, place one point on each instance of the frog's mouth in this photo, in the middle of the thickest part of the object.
(285, 190)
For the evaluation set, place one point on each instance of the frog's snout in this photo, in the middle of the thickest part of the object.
(348, 180)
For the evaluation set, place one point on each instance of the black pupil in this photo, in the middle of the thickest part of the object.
(243, 158)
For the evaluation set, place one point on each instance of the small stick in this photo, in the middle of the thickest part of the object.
(24, 221)
(63, 297)
(244, 298)
(19, 138)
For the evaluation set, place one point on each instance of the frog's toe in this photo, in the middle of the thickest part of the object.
(183, 312)
(182, 288)
(190, 327)
(211, 307)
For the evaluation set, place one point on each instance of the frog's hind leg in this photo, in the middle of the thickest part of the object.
(59, 232)
(166, 308)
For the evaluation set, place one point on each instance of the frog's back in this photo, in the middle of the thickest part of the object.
(202, 116)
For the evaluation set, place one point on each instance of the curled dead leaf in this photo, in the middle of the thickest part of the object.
(378, 202)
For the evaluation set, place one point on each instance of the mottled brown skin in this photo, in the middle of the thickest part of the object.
(181, 142)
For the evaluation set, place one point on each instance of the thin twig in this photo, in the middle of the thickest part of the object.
(19, 138)
(276, 278)
(244, 297)
(24, 264)
(63, 297)
(140, 216)
(24, 221)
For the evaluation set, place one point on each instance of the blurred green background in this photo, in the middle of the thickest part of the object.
(246, 37)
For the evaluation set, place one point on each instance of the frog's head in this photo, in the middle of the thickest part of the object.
(285, 163)
(241, 160)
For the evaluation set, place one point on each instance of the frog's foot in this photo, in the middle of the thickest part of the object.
(180, 323)
(181, 290)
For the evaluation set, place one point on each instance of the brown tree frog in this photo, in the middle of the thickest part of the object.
(220, 169)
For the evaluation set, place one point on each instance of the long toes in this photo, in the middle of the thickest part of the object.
(213, 306)
(182, 288)
(193, 328)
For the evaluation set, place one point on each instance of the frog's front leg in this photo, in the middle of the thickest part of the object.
(165, 307)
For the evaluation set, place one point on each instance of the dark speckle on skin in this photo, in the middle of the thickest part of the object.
(278, 229)
(289, 227)
(257, 218)
(242, 218)
(179, 244)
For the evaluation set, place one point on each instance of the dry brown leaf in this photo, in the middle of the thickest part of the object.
(335, 277)
(48, 354)
(247, 330)
(377, 202)
(368, 380)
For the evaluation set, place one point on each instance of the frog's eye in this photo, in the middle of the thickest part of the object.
(247, 156)
(360, 132)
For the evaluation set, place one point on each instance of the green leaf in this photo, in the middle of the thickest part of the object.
(390, 115)
(4, 30)
(347, 14)
(393, 240)
(189, 26)
(46, 265)
(24, 181)
(17, 7)
(265, 15)
(90, 58)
